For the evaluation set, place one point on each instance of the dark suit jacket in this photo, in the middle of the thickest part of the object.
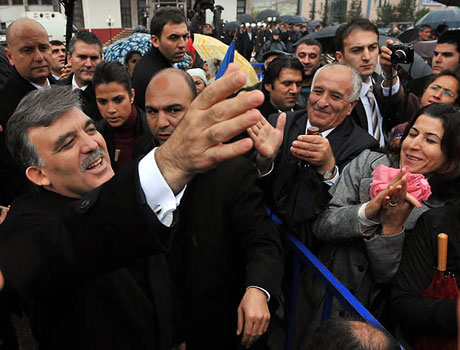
(244, 45)
(224, 243)
(388, 109)
(294, 190)
(64, 257)
(88, 98)
(152, 62)
(13, 182)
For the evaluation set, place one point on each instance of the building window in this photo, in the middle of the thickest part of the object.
(125, 9)
(78, 20)
(47, 2)
(18, 2)
(3, 2)
(33, 2)
(240, 7)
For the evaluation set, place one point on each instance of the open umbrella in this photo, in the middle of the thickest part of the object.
(232, 26)
(449, 16)
(409, 35)
(449, 2)
(246, 18)
(285, 18)
(136, 42)
(443, 286)
(297, 20)
(266, 14)
(209, 47)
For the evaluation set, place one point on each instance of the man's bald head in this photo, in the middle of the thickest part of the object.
(167, 98)
(29, 50)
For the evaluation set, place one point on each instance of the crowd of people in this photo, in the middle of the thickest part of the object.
(134, 196)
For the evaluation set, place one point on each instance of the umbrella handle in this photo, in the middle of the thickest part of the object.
(442, 252)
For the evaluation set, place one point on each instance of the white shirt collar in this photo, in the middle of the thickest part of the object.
(75, 85)
(324, 133)
(48, 85)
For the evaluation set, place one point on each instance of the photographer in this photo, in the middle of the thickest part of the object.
(357, 44)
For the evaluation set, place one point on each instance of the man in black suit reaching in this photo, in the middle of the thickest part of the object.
(226, 258)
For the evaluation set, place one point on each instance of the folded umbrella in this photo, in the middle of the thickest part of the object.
(443, 286)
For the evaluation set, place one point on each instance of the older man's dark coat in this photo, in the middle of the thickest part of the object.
(84, 271)
(13, 182)
(294, 190)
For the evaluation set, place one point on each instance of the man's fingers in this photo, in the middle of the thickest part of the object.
(248, 333)
(281, 122)
(237, 105)
(220, 89)
(225, 130)
(227, 151)
(240, 323)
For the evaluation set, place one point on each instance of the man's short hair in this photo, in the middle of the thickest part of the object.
(274, 68)
(40, 107)
(56, 42)
(164, 16)
(345, 30)
(310, 42)
(355, 78)
(188, 79)
(423, 27)
(451, 37)
(87, 37)
(346, 334)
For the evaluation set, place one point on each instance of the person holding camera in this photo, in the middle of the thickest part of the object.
(357, 44)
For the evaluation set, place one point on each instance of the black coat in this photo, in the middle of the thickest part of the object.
(64, 257)
(414, 313)
(152, 62)
(88, 97)
(388, 109)
(295, 192)
(13, 182)
(224, 243)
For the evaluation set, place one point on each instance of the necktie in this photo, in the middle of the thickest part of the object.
(375, 118)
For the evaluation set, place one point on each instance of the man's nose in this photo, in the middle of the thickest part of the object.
(89, 144)
(163, 120)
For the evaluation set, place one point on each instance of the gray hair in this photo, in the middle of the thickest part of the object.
(38, 108)
(355, 78)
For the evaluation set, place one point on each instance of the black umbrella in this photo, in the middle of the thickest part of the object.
(449, 2)
(296, 20)
(284, 18)
(266, 14)
(408, 35)
(449, 16)
(232, 26)
(246, 18)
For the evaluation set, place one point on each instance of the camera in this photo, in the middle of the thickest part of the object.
(401, 53)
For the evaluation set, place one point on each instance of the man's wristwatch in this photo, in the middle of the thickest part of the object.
(328, 174)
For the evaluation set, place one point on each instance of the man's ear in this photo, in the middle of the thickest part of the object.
(155, 41)
(8, 55)
(268, 87)
(36, 175)
(339, 57)
(352, 105)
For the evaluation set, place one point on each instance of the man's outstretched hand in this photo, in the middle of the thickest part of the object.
(197, 143)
